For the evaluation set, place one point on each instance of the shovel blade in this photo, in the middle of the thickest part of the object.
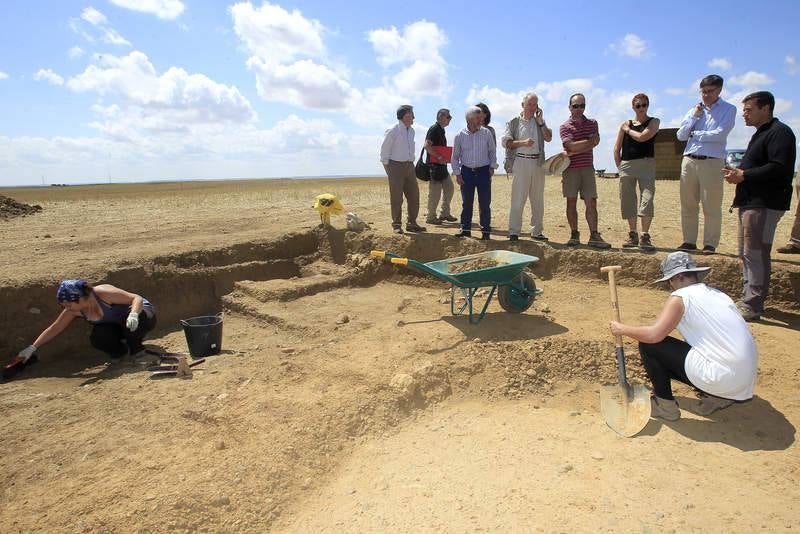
(625, 409)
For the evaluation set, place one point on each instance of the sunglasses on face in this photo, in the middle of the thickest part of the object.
(640, 106)
(578, 106)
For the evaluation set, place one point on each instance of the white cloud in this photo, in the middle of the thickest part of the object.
(631, 45)
(720, 63)
(276, 35)
(303, 83)
(174, 95)
(75, 52)
(98, 28)
(93, 17)
(163, 9)
(751, 79)
(791, 65)
(3, 75)
(111, 36)
(782, 105)
(420, 45)
(49, 76)
(675, 91)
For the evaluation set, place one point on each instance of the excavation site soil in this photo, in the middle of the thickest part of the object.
(347, 397)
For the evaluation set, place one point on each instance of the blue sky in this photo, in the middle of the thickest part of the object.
(135, 90)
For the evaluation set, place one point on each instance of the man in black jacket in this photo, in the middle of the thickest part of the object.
(763, 193)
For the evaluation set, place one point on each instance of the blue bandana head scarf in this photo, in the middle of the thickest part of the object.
(72, 290)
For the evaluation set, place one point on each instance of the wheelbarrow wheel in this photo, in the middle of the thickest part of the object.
(513, 299)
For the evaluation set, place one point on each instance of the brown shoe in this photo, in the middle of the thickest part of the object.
(789, 248)
(415, 228)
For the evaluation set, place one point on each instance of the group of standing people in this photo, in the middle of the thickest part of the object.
(763, 179)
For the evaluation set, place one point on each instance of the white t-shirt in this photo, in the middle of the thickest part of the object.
(723, 359)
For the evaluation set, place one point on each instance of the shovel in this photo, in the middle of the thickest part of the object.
(625, 407)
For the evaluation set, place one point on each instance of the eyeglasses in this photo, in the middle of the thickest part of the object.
(578, 106)
(640, 106)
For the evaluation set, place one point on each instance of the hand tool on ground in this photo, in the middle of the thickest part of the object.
(625, 407)
(160, 371)
(515, 288)
(16, 365)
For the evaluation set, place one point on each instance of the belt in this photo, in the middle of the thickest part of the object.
(528, 156)
(695, 156)
(400, 162)
(474, 169)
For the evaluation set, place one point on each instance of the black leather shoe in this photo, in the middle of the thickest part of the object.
(486, 236)
(687, 247)
(513, 237)
(464, 233)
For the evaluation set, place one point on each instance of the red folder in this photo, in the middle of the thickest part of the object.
(445, 151)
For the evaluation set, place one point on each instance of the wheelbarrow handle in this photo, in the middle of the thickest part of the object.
(399, 261)
(382, 254)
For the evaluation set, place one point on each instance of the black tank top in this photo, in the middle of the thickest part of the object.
(632, 149)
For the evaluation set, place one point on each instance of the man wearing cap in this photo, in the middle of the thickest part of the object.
(763, 193)
(397, 156)
(474, 162)
(524, 140)
(580, 135)
(717, 355)
(440, 179)
(705, 130)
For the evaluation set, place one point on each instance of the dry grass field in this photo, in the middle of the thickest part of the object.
(347, 398)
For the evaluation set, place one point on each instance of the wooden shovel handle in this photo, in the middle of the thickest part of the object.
(612, 287)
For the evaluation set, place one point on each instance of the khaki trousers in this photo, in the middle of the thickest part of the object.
(701, 183)
(435, 190)
(403, 182)
(527, 185)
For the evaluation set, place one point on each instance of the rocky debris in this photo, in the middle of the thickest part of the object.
(427, 384)
(10, 208)
(474, 265)
(343, 319)
(537, 366)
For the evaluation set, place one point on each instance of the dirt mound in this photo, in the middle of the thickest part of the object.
(10, 208)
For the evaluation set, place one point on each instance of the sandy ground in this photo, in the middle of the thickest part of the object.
(348, 399)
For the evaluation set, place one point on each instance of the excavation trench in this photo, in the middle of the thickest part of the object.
(325, 348)
(190, 284)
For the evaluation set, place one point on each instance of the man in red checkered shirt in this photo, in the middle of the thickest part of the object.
(580, 135)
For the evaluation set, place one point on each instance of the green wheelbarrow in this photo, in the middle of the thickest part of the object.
(515, 289)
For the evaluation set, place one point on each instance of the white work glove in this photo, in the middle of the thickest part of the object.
(27, 352)
(133, 321)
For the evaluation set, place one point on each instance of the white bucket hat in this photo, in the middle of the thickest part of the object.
(556, 164)
(680, 262)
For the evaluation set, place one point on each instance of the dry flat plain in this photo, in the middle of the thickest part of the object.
(346, 397)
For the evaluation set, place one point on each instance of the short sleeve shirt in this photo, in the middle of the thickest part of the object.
(579, 130)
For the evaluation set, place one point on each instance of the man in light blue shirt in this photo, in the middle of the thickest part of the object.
(474, 161)
(705, 130)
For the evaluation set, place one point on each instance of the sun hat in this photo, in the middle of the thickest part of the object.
(556, 164)
(680, 262)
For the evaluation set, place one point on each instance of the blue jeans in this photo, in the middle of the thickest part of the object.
(481, 180)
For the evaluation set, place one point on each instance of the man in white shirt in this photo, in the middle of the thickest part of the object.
(524, 140)
(397, 156)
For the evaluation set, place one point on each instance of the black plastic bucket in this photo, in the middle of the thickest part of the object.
(203, 335)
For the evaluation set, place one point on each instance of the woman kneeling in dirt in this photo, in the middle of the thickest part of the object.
(121, 319)
(719, 356)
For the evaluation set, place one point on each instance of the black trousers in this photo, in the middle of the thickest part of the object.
(665, 361)
(117, 341)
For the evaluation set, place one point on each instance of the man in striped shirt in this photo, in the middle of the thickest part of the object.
(580, 135)
(474, 161)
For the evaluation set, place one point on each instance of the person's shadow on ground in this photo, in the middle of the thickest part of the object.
(754, 425)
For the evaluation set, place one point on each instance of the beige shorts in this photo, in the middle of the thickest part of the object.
(631, 172)
(583, 181)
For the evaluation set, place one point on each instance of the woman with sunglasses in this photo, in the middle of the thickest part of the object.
(634, 154)
(120, 318)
